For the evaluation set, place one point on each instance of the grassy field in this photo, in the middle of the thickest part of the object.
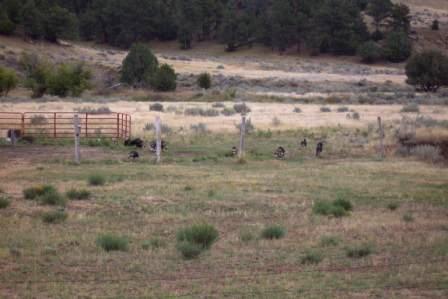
(393, 244)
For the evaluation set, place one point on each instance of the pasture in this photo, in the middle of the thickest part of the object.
(393, 243)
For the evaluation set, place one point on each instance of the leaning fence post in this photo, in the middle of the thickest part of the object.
(158, 139)
(242, 136)
(382, 135)
(77, 128)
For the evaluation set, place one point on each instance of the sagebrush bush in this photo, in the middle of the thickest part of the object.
(4, 202)
(408, 217)
(359, 251)
(311, 258)
(205, 81)
(96, 180)
(90, 110)
(344, 203)
(33, 193)
(246, 236)
(241, 108)
(337, 208)
(199, 128)
(297, 110)
(276, 121)
(154, 244)
(218, 105)
(201, 112)
(411, 108)
(228, 112)
(156, 107)
(52, 199)
(112, 242)
(342, 109)
(273, 232)
(164, 79)
(393, 206)
(203, 235)
(427, 153)
(75, 194)
(328, 241)
(325, 109)
(8, 81)
(54, 217)
(370, 52)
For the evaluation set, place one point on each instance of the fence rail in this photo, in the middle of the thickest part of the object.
(60, 124)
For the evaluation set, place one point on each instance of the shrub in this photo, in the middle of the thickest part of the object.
(205, 81)
(154, 244)
(370, 52)
(435, 25)
(273, 232)
(74, 194)
(356, 116)
(7, 27)
(337, 208)
(246, 236)
(427, 153)
(34, 193)
(228, 112)
(428, 71)
(139, 67)
(90, 110)
(397, 47)
(297, 110)
(54, 217)
(393, 206)
(37, 120)
(164, 79)
(69, 79)
(199, 128)
(345, 204)
(359, 251)
(189, 250)
(328, 241)
(241, 108)
(311, 258)
(111, 242)
(410, 108)
(4, 202)
(96, 180)
(156, 107)
(52, 199)
(325, 109)
(343, 109)
(8, 81)
(249, 127)
(408, 217)
(218, 105)
(201, 112)
(203, 235)
(164, 128)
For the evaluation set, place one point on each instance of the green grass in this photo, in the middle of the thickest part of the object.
(33, 193)
(112, 242)
(273, 232)
(74, 194)
(96, 180)
(337, 208)
(359, 251)
(329, 241)
(408, 217)
(189, 250)
(4, 202)
(393, 206)
(203, 235)
(311, 257)
(153, 244)
(54, 217)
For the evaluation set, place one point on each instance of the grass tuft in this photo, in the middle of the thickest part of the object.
(33, 193)
(54, 217)
(408, 217)
(329, 241)
(111, 242)
(154, 244)
(96, 180)
(359, 251)
(273, 232)
(74, 194)
(4, 202)
(337, 208)
(311, 258)
(203, 235)
(189, 250)
(393, 206)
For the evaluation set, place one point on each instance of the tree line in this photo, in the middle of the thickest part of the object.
(320, 26)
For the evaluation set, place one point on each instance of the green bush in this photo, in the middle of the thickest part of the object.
(411, 108)
(4, 202)
(428, 71)
(435, 26)
(7, 27)
(96, 180)
(228, 111)
(111, 242)
(75, 194)
(359, 251)
(408, 217)
(397, 47)
(33, 193)
(8, 81)
(154, 244)
(164, 79)
(345, 204)
(311, 258)
(205, 81)
(189, 250)
(337, 208)
(370, 52)
(393, 206)
(246, 236)
(241, 108)
(203, 235)
(52, 199)
(273, 232)
(69, 80)
(54, 217)
(156, 107)
(139, 67)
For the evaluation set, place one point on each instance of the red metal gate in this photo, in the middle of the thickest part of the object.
(60, 124)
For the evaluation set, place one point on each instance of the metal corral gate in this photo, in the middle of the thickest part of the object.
(60, 124)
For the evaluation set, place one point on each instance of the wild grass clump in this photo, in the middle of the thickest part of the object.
(33, 193)
(337, 208)
(191, 241)
(273, 232)
(156, 107)
(111, 242)
(228, 112)
(153, 244)
(96, 180)
(297, 110)
(241, 108)
(359, 251)
(201, 112)
(325, 109)
(90, 110)
(311, 257)
(410, 108)
(52, 199)
(329, 241)
(393, 206)
(342, 109)
(54, 217)
(74, 194)
(199, 128)
(4, 202)
(246, 236)
(408, 217)
(218, 105)
(427, 153)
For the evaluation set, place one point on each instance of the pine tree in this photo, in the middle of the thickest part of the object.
(32, 20)
(284, 25)
(139, 66)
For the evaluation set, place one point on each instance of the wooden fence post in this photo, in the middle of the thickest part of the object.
(242, 136)
(158, 139)
(382, 135)
(13, 137)
(77, 129)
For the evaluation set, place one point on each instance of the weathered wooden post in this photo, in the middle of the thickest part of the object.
(158, 139)
(13, 137)
(77, 129)
(382, 135)
(242, 136)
